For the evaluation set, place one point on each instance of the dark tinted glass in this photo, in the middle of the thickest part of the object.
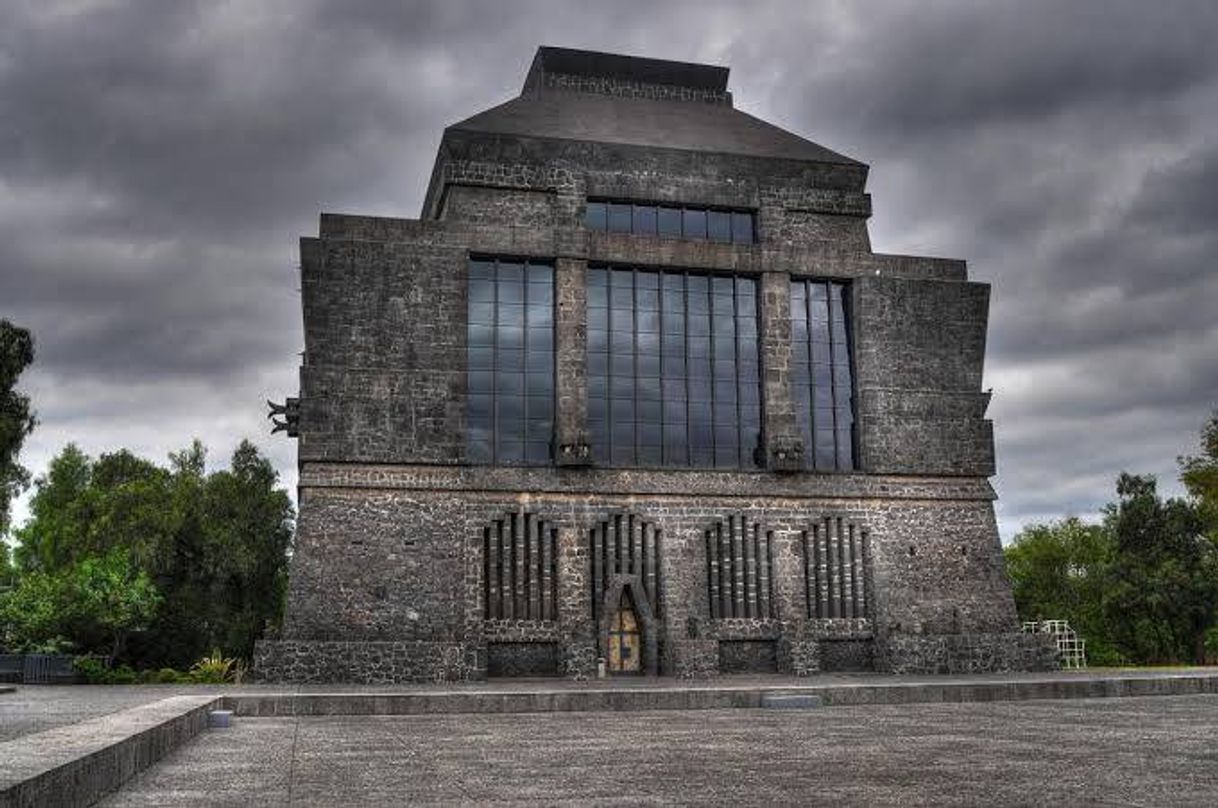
(596, 216)
(693, 223)
(719, 225)
(742, 228)
(676, 385)
(645, 219)
(620, 219)
(821, 374)
(670, 222)
(510, 402)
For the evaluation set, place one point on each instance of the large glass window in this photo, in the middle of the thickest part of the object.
(673, 375)
(671, 221)
(821, 375)
(510, 412)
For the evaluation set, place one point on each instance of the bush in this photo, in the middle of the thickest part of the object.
(122, 675)
(91, 669)
(214, 669)
(169, 676)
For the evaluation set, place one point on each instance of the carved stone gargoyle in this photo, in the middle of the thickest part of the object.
(290, 410)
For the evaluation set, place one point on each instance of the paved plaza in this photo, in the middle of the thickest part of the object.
(1130, 751)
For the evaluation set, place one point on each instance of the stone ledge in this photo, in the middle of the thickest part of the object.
(78, 763)
(631, 482)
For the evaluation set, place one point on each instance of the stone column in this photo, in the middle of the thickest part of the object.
(574, 609)
(571, 332)
(784, 448)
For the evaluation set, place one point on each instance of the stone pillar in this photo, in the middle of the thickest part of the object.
(783, 447)
(574, 609)
(571, 332)
(688, 650)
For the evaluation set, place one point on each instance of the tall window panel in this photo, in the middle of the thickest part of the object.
(673, 375)
(510, 413)
(821, 374)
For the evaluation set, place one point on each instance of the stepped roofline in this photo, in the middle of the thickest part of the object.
(555, 68)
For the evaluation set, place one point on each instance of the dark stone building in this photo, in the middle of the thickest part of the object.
(635, 388)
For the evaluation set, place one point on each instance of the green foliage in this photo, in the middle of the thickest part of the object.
(169, 676)
(1059, 572)
(214, 669)
(16, 420)
(1143, 585)
(122, 675)
(96, 602)
(1199, 473)
(92, 669)
(212, 546)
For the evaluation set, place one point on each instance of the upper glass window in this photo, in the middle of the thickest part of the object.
(673, 369)
(510, 413)
(822, 381)
(671, 221)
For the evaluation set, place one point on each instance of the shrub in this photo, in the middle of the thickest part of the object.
(122, 675)
(169, 676)
(214, 669)
(91, 669)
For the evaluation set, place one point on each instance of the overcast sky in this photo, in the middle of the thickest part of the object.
(159, 160)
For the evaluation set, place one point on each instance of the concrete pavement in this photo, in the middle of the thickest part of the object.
(1132, 751)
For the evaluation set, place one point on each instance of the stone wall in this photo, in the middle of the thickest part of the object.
(314, 661)
(969, 653)
(381, 559)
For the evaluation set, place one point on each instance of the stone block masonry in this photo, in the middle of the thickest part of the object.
(416, 560)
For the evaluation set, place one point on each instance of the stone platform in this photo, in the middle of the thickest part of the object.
(74, 764)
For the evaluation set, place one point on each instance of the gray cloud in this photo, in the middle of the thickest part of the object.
(158, 161)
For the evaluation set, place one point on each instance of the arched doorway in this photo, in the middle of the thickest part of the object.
(625, 638)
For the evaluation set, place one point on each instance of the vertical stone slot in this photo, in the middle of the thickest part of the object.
(737, 529)
(835, 569)
(552, 549)
(533, 579)
(725, 571)
(766, 565)
(520, 568)
(490, 575)
(518, 610)
(548, 601)
(739, 569)
(598, 571)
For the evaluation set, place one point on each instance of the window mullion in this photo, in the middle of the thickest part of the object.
(832, 368)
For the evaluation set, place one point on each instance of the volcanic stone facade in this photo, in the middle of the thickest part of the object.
(416, 562)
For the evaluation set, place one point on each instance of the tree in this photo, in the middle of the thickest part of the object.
(1059, 571)
(107, 598)
(16, 420)
(1199, 474)
(1162, 594)
(225, 579)
(214, 546)
(92, 606)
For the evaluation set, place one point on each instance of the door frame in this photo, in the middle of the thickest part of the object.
(642, 612)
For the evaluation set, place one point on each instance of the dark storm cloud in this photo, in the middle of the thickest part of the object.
(158, 160)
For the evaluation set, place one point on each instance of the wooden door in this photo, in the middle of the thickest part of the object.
(625, 639)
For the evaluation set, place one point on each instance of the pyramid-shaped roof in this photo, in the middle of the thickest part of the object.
(577, 106)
